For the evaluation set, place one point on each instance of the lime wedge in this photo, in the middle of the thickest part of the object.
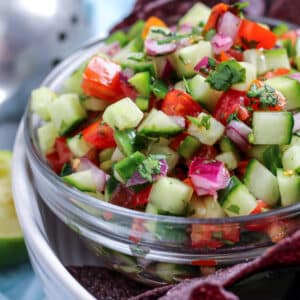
(12, 246)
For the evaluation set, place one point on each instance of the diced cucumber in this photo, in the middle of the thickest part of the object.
(106, 154)
(123, 114)
(142, 103)
(289, 87)
(125, 141)
(159, 89)
(206, 207)
(124, 169)
(170, 195)
(181, 86)
(117, 155)
(142, 83)
(172, 156)
(107, 165)
(83, 180)
(295, 141)
(207, 134)
(257, 152)
(185, 59)
(47, 135)
(118, 36)
(73, 83)
(78, 146)
(229, 159)
(138, 63)
(237, 200)
(250, 76)
(188, 147)
(226, 145)
(257, 58)
(261, 182)
(157, 123)
(271, 158)
(173, 272)
(110, 187)
(66, 113)
(289, 186)
(195, 15)
(277, 58)
(95, 104)
(136, 29)
(272, 128)
(203, 93)
(40, 101)
(291, 158)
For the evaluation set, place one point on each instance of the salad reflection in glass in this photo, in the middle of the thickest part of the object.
(197, 120)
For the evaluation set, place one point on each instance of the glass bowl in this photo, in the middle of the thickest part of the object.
(154, 249)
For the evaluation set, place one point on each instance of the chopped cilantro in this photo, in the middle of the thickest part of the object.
(232, 117)
(225, 75)
(150, 166)
(172, 38)
(266, 94)
(210, 34)
(234, 208)
(204, 122)
(186, 85)
(66, 170)
(161, 31)
(212, 63)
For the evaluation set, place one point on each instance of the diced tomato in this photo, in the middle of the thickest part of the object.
(242, 167)
(206, 152)
(253, 35)
(100, 135)
(101, 79)
(243, 113)
(214, 236)
(216, 12)
(277, 72)
(179, 103)
(122, 196)
(177, 140)
(128, 90)
(230, 102)
(260, 207)
(152, 21)
(93, 156)
(224, 56)
(189, 182)
(53, 160)
(141, 198)
(236, 54)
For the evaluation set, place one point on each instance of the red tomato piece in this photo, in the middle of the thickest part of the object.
(207, 152)
(101, 79)
(128, 91)
(260, 207)
(242, 166)
(100, 135)
(253, 35)
(277, 72)
(229, 103)
(141, 198)
(63, 150)
(179, 103)
(53, 160)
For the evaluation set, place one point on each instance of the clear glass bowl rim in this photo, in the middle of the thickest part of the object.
(92, 202)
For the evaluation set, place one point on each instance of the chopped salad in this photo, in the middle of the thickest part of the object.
(199, 119)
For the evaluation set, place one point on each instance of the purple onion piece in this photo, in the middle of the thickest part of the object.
(153, 48)
(221, 43)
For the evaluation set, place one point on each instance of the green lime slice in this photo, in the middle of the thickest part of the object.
(12, 246)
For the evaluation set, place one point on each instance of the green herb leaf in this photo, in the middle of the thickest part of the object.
(280, 29)
(201, 24)
(240, 5)
(212, 63)
(161, 31)
(186, 85)
(149, 167)
(266, 94)
(204, 122)
(159, 89)
(234, 208)
(232, 117)
(225, 75)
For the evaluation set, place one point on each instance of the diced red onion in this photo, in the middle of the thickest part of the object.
(137, 179)
(295, 76)
(99, 176)
(180, 121)
(221, 43)
(298, 32)
(203, 63)
(208, 176)
(229, 25)
(167, 69)
(296, 122)
(126, 74)
(185, 28)
(238, 132)
(153, 48)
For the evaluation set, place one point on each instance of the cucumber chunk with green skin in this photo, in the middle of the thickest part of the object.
(188, 147)
(257, 58)
(185, 59)
(159, 89)
(170, 195)
(229, 159)
(261, 182)
(137, 62)
(277, 58)
(291, 158)
(142, 103)
(272, 128)
(206, 129)
(157, 123)
(236, 199)
(203, 93)
(121, 56)
(180, 85)
(136, 29)
(83, 181)
(257, 152)
(66, 113)
(195, 15)
(124, 169)
(40, 100)
(226, 145)
(106, 154)
(250, 76)
(118, 36)
(295, 141)
(289, 186)
(47, 135)
(142, 83)
(206, 207)
(123, 114)
(289, 87)
(73, 83)
(271, 158)
(110, 187)
(78, 146)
